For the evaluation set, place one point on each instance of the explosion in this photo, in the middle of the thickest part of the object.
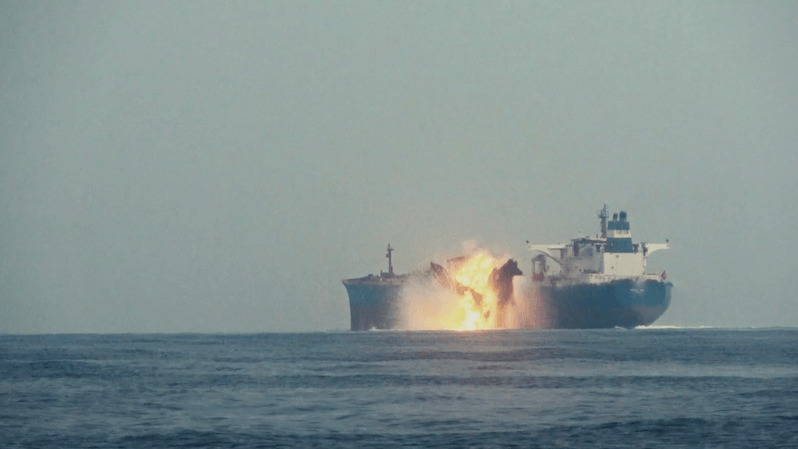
(473, 292)
(479, 299)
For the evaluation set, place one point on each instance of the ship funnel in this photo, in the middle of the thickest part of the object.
(623, 216)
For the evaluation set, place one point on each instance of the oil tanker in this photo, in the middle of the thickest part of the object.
(588, 283)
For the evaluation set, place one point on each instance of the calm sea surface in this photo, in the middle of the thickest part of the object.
(599, 388)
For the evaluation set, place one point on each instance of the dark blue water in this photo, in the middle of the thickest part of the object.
(602, 388)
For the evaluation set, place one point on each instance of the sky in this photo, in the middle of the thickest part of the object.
(196, 166)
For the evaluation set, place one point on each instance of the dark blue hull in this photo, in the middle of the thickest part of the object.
(622, 303)
(374, 305)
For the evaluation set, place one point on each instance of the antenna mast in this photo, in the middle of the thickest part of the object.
(390, 266)
(603, 216)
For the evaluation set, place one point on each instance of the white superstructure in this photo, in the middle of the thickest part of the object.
(610, 256)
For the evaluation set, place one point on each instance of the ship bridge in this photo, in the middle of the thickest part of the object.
(612, 255)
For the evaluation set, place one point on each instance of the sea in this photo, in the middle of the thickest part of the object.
(640, 388)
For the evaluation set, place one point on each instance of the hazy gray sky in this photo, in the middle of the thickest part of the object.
(221, 166)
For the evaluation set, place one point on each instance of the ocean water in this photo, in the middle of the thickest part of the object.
(538, 388)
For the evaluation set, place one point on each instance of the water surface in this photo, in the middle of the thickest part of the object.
(537, 388)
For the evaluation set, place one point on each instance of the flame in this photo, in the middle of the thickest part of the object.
(479, 302)
(471, 303)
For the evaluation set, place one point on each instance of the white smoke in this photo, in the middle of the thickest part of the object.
(527, 309)
(427, 305)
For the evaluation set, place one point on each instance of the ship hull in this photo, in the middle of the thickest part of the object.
(374, 305)
(622, 303)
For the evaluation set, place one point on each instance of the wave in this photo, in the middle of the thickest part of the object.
(671, 326)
